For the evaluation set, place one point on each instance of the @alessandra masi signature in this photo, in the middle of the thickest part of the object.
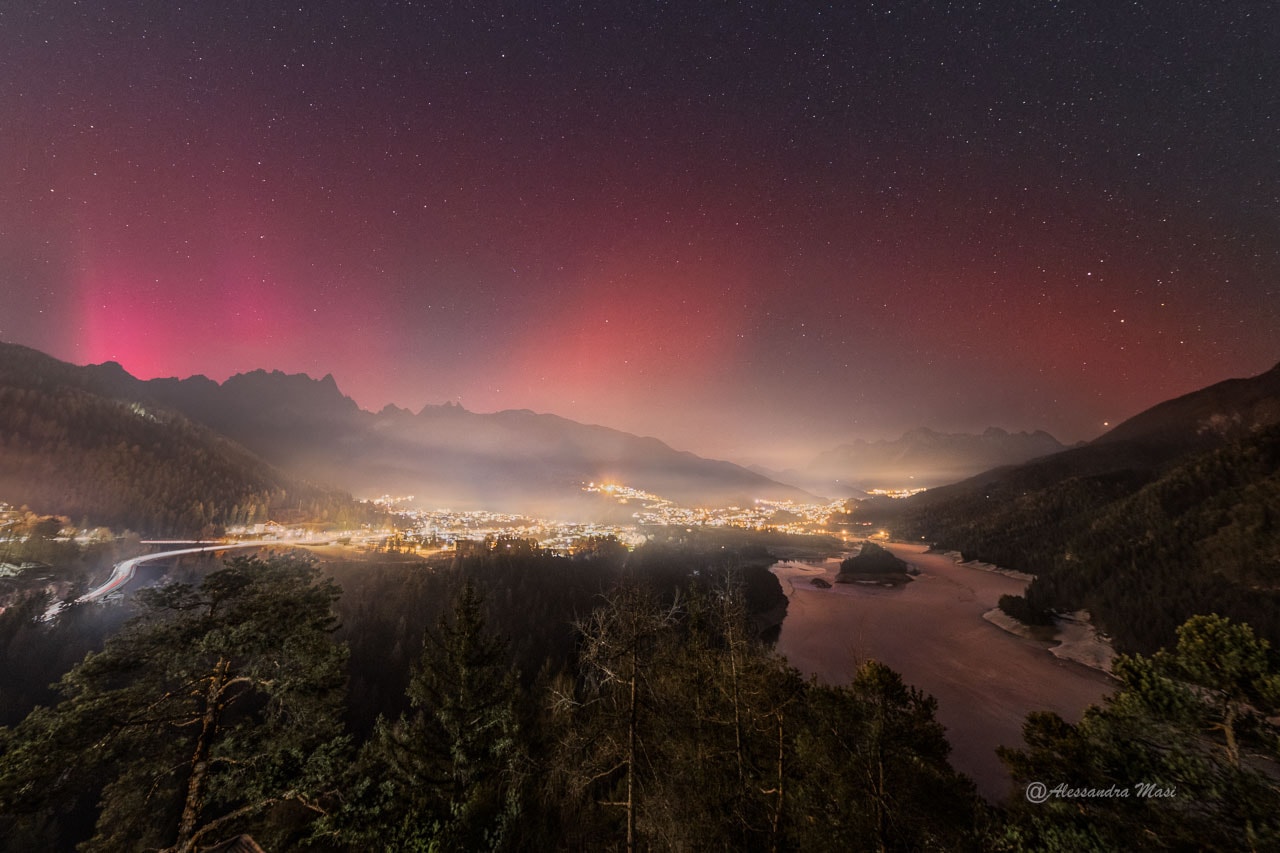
(1039, 792)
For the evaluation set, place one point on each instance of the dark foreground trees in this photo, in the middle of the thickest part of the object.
(682, 732)
(215, 711)
(1185, 755)
(672, 728)
(445, 776)
(874, 772)
(669, 726)
(218, 712)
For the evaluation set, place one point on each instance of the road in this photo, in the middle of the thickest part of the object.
(122, 572)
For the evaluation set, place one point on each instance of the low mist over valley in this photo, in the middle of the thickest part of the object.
(639, 426)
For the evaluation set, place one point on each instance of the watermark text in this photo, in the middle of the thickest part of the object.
(1039, 792)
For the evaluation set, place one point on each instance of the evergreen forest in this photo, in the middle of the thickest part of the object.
(510, 699)
(1143, 546)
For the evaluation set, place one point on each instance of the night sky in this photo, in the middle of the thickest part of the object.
(753, 230)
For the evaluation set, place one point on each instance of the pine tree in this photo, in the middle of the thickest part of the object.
(725, 707)
(613, 712)
(874, 772)
(215, 707)
(446, 776)
(1189, 735)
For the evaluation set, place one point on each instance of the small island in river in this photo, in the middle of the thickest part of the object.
(875, 565)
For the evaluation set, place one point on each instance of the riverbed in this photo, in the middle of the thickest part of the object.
(931, 630)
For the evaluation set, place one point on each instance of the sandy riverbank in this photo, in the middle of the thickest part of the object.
(932, 630)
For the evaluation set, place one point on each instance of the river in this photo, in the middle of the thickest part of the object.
(932, 632)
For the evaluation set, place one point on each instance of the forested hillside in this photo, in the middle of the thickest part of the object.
(82, 443)
(1141, 545)
(1203, 537)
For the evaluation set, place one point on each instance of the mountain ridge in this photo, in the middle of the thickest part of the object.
(1232, 407)
(90, 444)
(512, 459)
(447, 452)
(1171, 513)
(925, 457)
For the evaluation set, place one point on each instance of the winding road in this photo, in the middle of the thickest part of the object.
(122, 572)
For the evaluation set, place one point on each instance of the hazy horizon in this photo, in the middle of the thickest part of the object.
(774, 456)
(748, 232)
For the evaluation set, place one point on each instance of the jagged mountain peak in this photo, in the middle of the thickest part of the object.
(274, 390)
(308, 428)
(448, 453)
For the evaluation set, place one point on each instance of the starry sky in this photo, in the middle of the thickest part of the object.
(754, 230)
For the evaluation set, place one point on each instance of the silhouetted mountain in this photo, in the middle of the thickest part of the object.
(1139, 447)
(922, 457)
(1205, 418)
(97, 442)
(445, 454)
(1173, 512)
(92, 444)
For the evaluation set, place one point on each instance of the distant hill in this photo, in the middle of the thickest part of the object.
(516, 460)
(923, 457)
(1174, 512)
(91, 444)
(172, 454)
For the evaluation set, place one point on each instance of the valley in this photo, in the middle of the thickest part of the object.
(569, 529)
